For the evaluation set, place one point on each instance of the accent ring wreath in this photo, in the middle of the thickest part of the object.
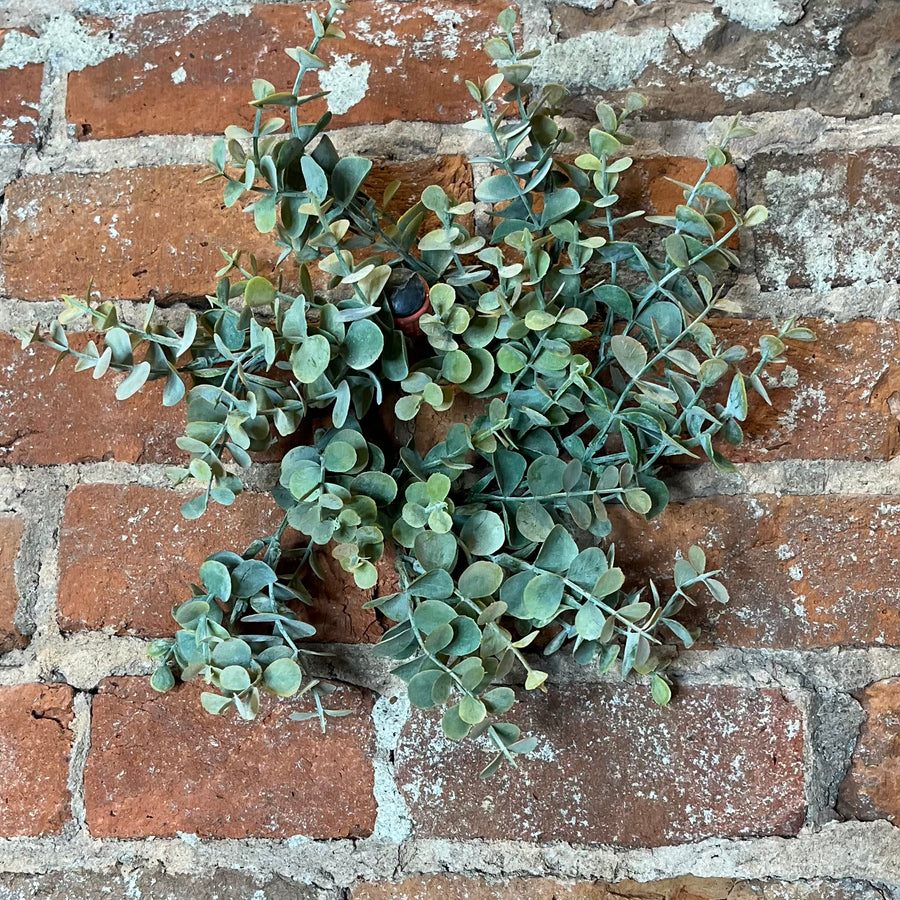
(585, 340)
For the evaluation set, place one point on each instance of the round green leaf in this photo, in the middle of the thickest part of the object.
(421, 688)
(216, 578)
(542, 596)
(215, 704)
(365, 575)
(233, 652)
(431, 613)
(363, 344)
(258, 292)
(533, 521)
(162, 679)
(439, 638)
(483, 533)
(377, 485)
(440, 521)
(453, 726)
(436, 551)
(589, 622)
(339, 456)
(310, 358)
(234, 679)
(283, 677)
(466, 637)
(471, 710)
(457, 367)
(481, 579)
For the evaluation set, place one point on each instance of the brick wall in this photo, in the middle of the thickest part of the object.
(774, 773)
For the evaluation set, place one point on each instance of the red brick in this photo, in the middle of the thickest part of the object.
(615, 769)
(127, 232)
(159, 765)
(10, 536)
(452, 173)
(831, 400)
(417, 57)
(647, 185)
(803, 571)
(20, 95)
(127, 556)
(871, 788)
(845, 202)
(67, 417)
(453, 887)
(35, 742)
(133, 232)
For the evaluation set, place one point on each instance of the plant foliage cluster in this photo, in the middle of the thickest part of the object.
(586, 339)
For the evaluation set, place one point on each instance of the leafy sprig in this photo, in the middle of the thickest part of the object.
(588, 344)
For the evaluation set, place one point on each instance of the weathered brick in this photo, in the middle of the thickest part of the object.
(10, 535)
(871, 788)
(400, 61)
(831, 400)
(451, 887)
(843, 204)
(732, 764)
(133, 232)
(127, 230)
(48, 418)
(159, 765)
(648, 183)
(452, 173)
(127, 556)
(802, 571)
(20, 94)
(35, 741)
(151, 884)
(695, 60)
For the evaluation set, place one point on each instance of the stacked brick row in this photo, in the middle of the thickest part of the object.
(772, 774)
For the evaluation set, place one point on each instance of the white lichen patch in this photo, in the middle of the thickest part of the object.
(762, 15)
(693, 31)
(605, 60)
(347, 83)
(65, 40)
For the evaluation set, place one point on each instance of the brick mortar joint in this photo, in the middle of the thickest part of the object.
(58, 153)
(820, 853)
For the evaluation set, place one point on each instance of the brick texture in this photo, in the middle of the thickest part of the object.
(159, 765)
(10, 536)
(803, 571)
(20, 94)
(135, 233)
(695, 61)
(832, 399)
(846, 207)
(156, 232)
(67, 417)
(648, 183)
(733, 764)
(400, 61)
(449, 887)
(35, 741)
(127, 556)
(871, 788)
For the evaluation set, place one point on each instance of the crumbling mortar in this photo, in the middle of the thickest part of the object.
(81, 744)
(830, 853)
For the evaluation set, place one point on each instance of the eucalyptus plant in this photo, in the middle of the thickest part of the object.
(587, 340)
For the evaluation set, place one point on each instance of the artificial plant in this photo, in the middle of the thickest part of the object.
(586, 340)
